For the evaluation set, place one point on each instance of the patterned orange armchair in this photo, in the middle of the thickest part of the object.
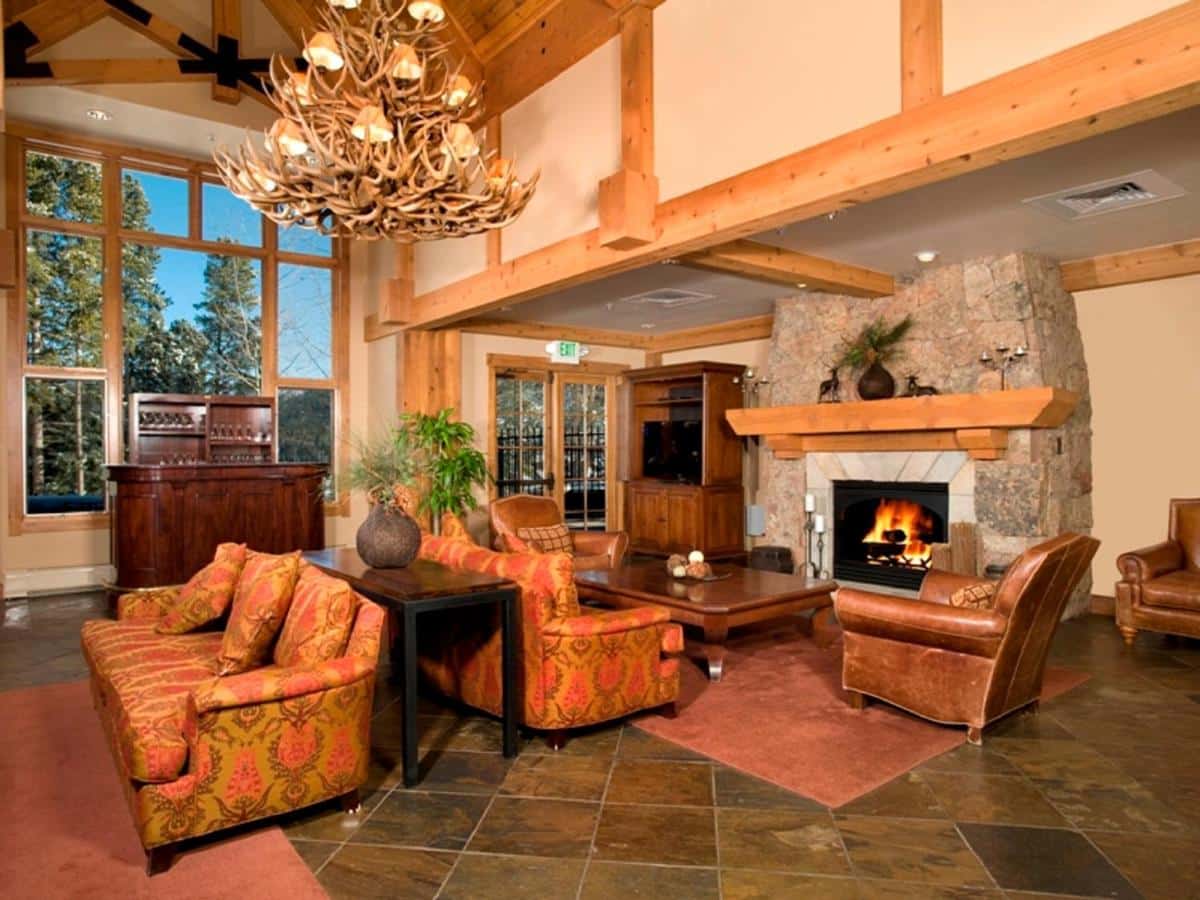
(198, 753)
(578, 666)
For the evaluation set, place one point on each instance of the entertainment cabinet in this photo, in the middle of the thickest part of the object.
(704, 509)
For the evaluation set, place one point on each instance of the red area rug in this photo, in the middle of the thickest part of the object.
(780, 714)
(66, 831)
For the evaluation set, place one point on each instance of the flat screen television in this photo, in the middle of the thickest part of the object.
(671, 451)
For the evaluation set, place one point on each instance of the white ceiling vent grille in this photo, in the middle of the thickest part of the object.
(1113, 195)
(667, 298)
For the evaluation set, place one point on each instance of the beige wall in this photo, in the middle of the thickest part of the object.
(983, 38)
(745, 353)
(1140, 341)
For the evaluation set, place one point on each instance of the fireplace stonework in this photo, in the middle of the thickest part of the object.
(1043, 484)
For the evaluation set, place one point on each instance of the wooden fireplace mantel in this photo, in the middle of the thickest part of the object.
(976, 423)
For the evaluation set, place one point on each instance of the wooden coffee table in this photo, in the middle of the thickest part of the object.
(744, 597)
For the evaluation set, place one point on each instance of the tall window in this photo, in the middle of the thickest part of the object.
(142, 273)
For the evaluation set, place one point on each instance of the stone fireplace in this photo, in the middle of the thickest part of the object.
(1039, 487)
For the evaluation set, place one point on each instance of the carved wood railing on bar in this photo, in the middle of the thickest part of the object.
(976, 423)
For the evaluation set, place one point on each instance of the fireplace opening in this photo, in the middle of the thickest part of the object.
(883, 531)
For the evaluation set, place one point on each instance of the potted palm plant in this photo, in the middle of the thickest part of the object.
(451, 466)
(876, 344)
(386, 469)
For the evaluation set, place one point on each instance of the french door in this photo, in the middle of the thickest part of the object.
(551, 437)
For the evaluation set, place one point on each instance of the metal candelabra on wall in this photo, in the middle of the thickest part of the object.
(1005, 357)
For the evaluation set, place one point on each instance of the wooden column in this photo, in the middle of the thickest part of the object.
(628, 198)
(395, 306)
(920, 52)
(432, 371)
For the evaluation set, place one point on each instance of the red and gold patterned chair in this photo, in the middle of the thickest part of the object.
(198, 753)
(578, 666)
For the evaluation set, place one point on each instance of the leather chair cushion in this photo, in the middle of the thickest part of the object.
(974, 631)
(208, 593)
(548, 538)
(1175, 590)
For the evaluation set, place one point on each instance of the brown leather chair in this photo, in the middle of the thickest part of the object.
(1159, 588)
(593, 549)
(957, 665)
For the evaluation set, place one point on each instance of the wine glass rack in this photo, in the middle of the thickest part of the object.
(190, 429)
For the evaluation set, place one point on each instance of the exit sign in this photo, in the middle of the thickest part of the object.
(570, 352)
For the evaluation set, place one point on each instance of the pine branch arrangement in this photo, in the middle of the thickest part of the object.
(877, 342)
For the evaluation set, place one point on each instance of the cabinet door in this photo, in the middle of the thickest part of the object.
(647, 518)
(683, 521)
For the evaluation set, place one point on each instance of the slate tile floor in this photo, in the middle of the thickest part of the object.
(1098, 795)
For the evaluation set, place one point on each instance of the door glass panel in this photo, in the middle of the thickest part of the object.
(585, 485)
(520, 436)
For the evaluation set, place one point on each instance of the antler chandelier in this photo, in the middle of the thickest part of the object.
(373, 138)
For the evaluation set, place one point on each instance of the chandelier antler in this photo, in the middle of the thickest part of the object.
(373, 139)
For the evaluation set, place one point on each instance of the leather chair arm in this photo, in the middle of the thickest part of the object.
(974, 631)
(1150, 562)
(613, 544)
(272, 683)
(939, 584)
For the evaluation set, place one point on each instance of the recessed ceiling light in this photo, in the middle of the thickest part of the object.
(505, 308)
(926, 256)
(802, 284)
(648, 325)
(99, 115)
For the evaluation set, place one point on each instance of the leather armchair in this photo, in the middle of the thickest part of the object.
(959, 665)
(593, 549)
(1159, 588)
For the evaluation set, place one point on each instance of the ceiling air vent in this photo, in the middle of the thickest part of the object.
(1113, 195)
(667, 298)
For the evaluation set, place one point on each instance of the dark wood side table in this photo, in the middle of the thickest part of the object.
(741, 597)
(427, 587)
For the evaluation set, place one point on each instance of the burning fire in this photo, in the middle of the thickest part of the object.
(899, 528)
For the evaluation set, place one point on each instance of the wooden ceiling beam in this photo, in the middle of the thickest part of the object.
(463, 48)
(111, 71)
(920, 52)
(1143, 71)
(754, 328)
(49, 22)
(512, 27)
(548, 331)
(227, 35)
(297, 18)
(777, 265)
(1132, 266)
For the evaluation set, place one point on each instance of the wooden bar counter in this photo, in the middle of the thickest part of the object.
(168, 519)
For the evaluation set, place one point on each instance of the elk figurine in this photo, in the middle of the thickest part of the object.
(831, 388)
(919, 390)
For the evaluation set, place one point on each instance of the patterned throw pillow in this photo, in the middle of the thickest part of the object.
(318, 622)
(510, 543)
(549, 538)
(975, 596)
(259, 606)
(207, 596)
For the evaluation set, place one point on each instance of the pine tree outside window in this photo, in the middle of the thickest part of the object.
(204, 298)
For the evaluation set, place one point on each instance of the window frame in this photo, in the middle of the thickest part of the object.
(114, 159)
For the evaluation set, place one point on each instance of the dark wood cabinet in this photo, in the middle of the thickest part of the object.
(705, 511)
(182, 429)
(168, 520)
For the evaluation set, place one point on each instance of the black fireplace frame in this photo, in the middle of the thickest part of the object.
(935, 496)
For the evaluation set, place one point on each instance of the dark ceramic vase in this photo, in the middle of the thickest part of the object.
(876, 383)
(388, 539)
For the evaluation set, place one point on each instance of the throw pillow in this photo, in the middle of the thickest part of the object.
(318, 621)
(975, 596)
(259, 605)
(549, 538)
(510, 543)
(207, 595)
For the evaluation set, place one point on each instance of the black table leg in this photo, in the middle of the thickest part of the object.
(508, 636)
(408, 664)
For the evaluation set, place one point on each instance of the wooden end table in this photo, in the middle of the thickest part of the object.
(424, 587)
(744, 597)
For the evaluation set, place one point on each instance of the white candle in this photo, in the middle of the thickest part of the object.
(810, 502)
(819, 524)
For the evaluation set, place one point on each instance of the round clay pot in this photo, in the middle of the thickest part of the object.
(388, 539)
(876, 383)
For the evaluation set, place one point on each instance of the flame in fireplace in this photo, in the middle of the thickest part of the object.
(901, 524)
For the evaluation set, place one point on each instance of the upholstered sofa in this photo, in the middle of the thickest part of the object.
(1159, 588)
(516, 520)
(196, 752)
(578, 666)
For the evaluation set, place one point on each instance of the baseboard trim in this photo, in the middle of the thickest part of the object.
(1104, 606)
(67, 580)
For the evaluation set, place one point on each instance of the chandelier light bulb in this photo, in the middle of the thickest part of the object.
(406, 65)
(427, 11)
(301, 88)
(460, 142)
(322, 51)
(344, 4)
(500, 173)
(372, 126)
(286, 135)
(459, 91)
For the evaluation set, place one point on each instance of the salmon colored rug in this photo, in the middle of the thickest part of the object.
(66, 831)
(780, 713)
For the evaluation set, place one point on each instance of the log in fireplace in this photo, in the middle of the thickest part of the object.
(883, 531)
